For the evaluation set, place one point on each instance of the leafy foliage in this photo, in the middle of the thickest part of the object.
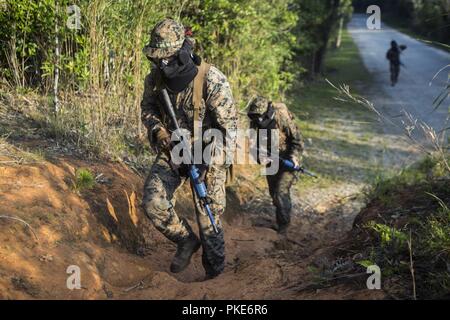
(405, 229)
(428, 17)
(317, 23)
(101, 67)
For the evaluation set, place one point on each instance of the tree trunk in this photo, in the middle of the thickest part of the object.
(339, 37)
(328, 27)
(57, 58)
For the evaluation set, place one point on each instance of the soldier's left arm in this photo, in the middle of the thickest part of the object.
(221, 105)
(294, 137)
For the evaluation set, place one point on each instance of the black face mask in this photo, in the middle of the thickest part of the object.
(181, 69)
(266, 120)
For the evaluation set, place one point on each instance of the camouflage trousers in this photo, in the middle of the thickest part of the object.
(280, 190)
(159, 205)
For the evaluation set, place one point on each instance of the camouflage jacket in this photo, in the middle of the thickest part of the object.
(290, 139)
(217, 109)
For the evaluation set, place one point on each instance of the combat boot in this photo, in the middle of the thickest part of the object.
(185, 249)
(283, 229)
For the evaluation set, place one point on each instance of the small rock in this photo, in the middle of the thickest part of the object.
(109, 294)
(46, 258)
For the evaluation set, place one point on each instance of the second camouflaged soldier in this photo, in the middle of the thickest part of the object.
(200, 93)
(264, 114)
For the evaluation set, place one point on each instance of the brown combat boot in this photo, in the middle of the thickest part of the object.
(185, 249)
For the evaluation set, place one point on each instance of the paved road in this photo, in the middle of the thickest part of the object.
(413, 92)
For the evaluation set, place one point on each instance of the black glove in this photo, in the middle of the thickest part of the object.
(203, 170)
(183, 170)
(162, 138)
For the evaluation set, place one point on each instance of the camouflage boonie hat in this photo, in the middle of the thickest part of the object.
(166, 39)
(258, 106)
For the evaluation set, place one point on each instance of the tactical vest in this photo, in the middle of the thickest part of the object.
(197, 96)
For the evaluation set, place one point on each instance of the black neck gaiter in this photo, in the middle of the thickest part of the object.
(179, 72)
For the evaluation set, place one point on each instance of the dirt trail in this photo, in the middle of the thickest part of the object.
(105, 233)
(107, 236)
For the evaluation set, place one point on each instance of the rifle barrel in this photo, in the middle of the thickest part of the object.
(199, 187)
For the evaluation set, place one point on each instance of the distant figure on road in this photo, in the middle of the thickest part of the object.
(393, 55)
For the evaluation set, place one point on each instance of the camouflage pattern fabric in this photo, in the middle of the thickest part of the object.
(159, 202)
(217, 111)
(258, 105)
(290, 146)
(291, 141)
(279, 188)
(166, 39)
(217, 108)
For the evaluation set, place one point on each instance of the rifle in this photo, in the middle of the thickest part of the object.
(193, 172)
(290, 165)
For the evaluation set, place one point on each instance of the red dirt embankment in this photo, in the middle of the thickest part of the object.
(106, 234)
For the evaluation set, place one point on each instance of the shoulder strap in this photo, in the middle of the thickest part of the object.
(158, 79)
(197, 94)
(157, 88)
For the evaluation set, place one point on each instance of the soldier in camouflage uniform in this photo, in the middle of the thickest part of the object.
(176, 68)
(264, 114)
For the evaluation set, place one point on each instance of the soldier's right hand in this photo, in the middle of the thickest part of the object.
(162, 138)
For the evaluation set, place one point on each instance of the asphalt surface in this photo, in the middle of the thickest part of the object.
(416, 89)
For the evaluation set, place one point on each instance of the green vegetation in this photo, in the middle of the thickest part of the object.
(19, 156)
(91, 78)
(320, 25)
(427, 19)
(84, 180)
(405, 230)
(343, 65)
(338, 135)
(416, 174)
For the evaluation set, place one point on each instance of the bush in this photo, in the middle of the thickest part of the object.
(430, 18)
(408, 219)
(102, 69)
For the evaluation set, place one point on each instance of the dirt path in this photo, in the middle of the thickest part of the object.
(104, 232)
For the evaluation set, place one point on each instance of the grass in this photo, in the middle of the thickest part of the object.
(17, 155)
(342, 139)
(419, 172)
(94, 127)
(84, 180)
(405, 230)
(343, 65)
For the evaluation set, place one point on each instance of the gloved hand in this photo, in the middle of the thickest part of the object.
(203, 170)
(295, 161)
(183, 170)
(162, 138)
